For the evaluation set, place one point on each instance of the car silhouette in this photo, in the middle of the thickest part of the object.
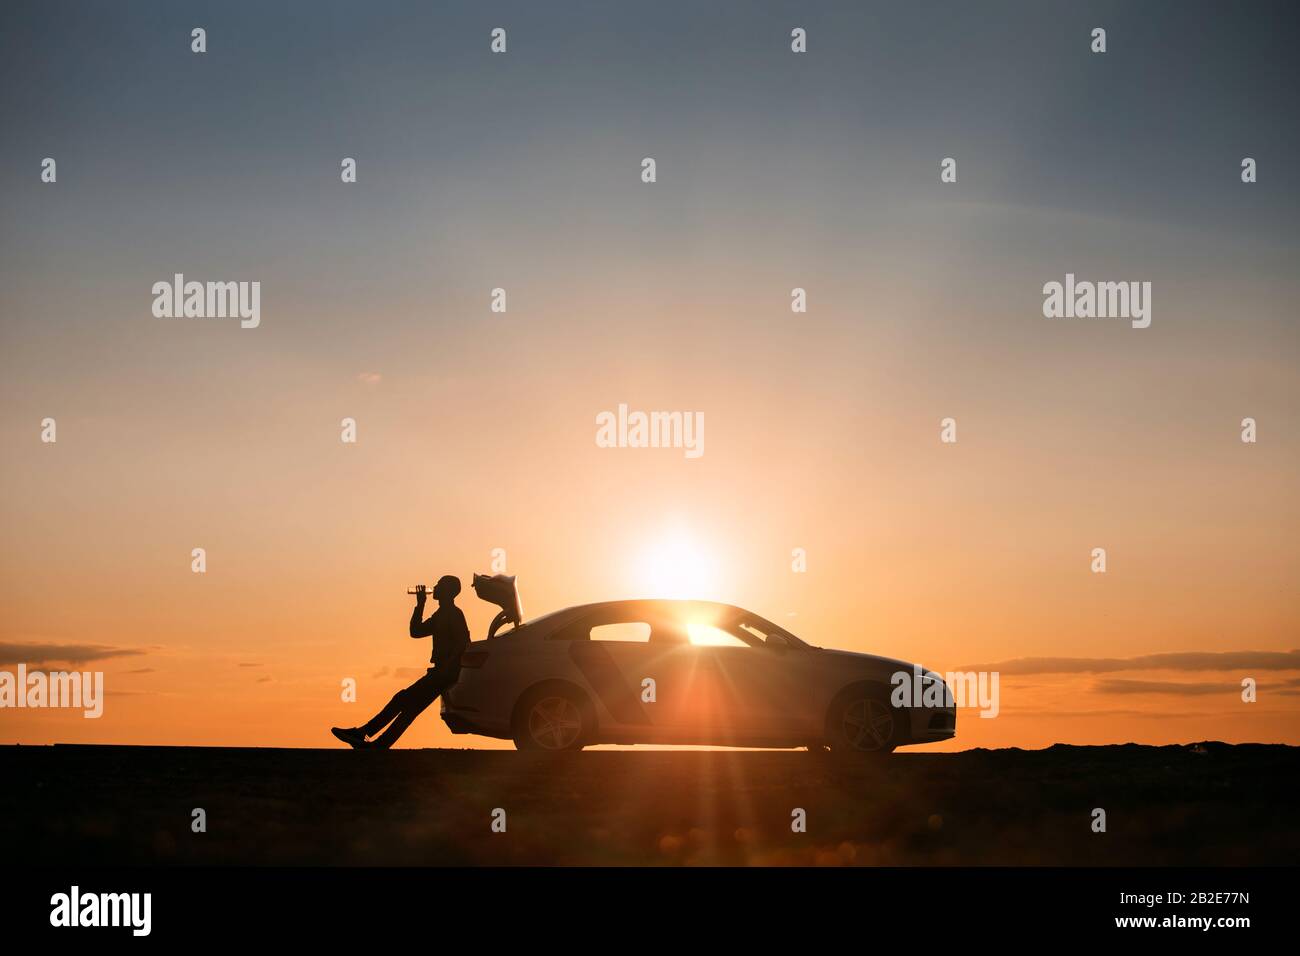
(677, 672)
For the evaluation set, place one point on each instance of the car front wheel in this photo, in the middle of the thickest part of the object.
(864, 723)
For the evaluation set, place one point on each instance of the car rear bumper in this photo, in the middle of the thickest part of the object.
(462, 717)
(464, 709)
(458, 723)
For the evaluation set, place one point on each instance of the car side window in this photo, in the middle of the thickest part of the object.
(653, 629)
(706, 635)
(624, 631)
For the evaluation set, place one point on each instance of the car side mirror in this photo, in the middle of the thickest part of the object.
(779, 647)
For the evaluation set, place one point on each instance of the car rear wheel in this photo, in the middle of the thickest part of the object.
(552, 719)
(864, 723)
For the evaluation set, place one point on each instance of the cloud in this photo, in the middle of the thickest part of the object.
(403, 673)
(1039, 713)
(370, 378)
(142, 670)
(264, 680)
(40, 654)
(249, 665)
(1179, 661)
(1230, 710)
(1289, 688)
(1121, 686)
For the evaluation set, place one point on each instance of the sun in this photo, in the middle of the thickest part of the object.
(676, 565)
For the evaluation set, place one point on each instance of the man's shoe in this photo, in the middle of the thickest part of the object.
(354, 736)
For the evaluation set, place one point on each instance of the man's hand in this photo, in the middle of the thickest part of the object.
(419, 595)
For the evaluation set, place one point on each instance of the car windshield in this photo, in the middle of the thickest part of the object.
(768, 632)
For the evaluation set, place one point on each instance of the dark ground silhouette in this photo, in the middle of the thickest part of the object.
(1196, 805)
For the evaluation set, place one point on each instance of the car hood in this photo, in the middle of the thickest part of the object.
(869, 662)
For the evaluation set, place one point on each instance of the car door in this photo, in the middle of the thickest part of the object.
(613, 654)
(654, 685)
(712, 683)
(760, 685)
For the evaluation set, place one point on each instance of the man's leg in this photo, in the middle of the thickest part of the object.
(394, 707)
(418, 697)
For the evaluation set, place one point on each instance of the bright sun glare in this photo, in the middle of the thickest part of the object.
(676, 566)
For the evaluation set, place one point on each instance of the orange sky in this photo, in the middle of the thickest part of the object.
(949, 555)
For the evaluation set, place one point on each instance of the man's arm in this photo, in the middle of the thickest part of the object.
(419, 626)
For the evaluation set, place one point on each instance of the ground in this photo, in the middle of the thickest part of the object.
(1202, 804)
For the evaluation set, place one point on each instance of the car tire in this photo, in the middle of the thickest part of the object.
(552, 718)
(863, 721)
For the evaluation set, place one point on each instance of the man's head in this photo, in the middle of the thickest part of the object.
(447, 588)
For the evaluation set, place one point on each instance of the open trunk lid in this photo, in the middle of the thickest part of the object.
(500, 589)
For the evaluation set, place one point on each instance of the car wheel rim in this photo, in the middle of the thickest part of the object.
(868, 724)
(554, 723)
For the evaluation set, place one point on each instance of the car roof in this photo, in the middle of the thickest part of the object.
(658, 606)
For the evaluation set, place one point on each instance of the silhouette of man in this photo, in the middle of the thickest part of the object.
(450, 638)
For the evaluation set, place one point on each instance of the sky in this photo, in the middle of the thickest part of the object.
(476, 429)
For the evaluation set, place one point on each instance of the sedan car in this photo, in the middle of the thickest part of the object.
(677, 672)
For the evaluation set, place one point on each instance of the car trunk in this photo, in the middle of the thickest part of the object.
(500, 589)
